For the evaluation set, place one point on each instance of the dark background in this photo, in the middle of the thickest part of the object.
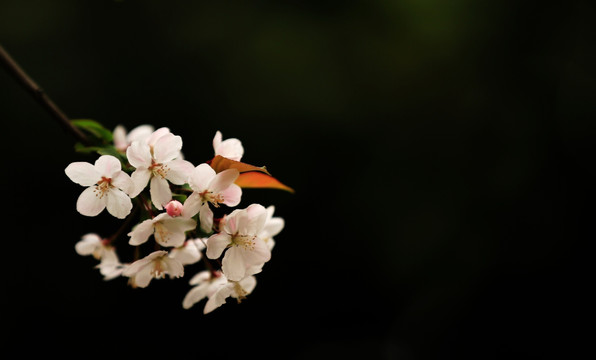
(441, 151)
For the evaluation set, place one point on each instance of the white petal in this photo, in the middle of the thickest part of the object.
(216, 244)
(179, 171)
(156, 135)
(257, 215)
(160, 192)
(206, 218)
(200, 278)
(111, 271)
(231, 221)
(118, 204)
(258, 255)
(216, 141)
(82, 173)
(144, 276)
(273, 227)
(173, 267)
(107, 165)
(223, 180)
(234, 264)
(139, 154)
(136, 266)
(140, 133)
(254, 269)
(219, 298)
(89, 204)
(123, 182)
(119, 138)
(231, 149)
(88, 244)
(232, 195)
(270, 242)
(109, 257)
(186, 254)
(141, 232)
(200, 177)
(248, 284)
(172, 232)
(179, 224)
(167, 148)
(192, 205)
(140, 178)
(196, 294)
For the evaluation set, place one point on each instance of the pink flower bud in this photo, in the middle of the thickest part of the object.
(174, 208)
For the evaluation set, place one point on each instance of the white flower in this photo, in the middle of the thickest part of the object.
(91, 244)
(122, 140)
(229, 148)
(190, 252)
(156, 162)
(209, 187)
(155, 265)
(272, 227)
(205, 284)
(246, 251)
(107, 186)
(110, 267)
(236, 289)
(167, 230)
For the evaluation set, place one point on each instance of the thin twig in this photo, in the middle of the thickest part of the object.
(40, 96)
(124, 225)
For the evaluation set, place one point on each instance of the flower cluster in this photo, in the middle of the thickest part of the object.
(142, 177)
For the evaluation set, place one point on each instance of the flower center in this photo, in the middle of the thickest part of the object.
(240, 292)
(161, 233)
(246, 241)
(158, 270)
(209, 196)
(158, 169)
(102, 187)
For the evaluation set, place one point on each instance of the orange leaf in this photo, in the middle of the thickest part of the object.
(260, 180)
(220, 163)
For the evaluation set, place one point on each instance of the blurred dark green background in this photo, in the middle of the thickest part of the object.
(441, 151)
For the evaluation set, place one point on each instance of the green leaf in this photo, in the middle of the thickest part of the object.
(179, 197)
(94, 128)
(86, 149)
(110, 150)
(101, 150)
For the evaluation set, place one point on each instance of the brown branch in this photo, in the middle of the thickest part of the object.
(39, 95)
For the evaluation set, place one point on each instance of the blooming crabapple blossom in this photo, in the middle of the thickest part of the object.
(110, 267)
(229, 148)
(272, 227)
(174, 208)
(236, 289)
(122, 140)
(209, 187)
(107, 186)
(205, 284)
(156, 163)
(190, 252)
(246, 251)
(92, 244)
(167, 230)
(155, 265)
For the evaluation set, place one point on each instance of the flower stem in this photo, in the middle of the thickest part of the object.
(124, 225)
(39, 95)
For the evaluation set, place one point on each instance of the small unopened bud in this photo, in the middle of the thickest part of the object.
(174, 208)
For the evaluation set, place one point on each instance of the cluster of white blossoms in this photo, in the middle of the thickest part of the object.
(176, 202)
